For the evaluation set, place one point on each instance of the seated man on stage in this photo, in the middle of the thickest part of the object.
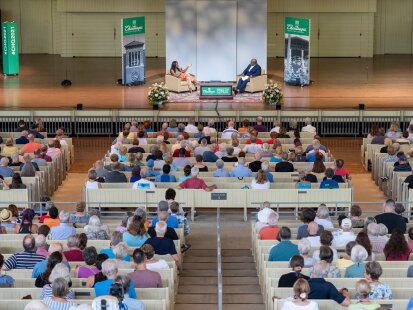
(252, 70)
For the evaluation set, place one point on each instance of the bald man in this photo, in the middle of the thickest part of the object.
(253, 69)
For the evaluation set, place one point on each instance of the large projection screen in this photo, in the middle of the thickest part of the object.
(216, 42)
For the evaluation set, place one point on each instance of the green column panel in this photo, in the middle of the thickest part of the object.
(10, 47)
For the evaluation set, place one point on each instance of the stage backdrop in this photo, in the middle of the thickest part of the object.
(133, 50)
(297, 51)
(219, 37)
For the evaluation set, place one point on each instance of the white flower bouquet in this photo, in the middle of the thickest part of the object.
(272, 94)
(158, 93)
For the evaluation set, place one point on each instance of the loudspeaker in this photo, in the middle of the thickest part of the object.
(66, 83)
(362, 106)
(79, 107)
(278, 107)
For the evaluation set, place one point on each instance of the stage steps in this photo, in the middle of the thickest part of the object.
(198, 281)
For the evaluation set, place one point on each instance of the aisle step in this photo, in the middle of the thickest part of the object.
(214, 280)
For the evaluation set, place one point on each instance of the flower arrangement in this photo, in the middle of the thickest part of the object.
(272, 94)
(158, 93)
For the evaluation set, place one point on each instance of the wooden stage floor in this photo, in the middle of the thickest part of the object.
(382, 82)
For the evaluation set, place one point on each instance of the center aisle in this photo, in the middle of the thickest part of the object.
(198, 281)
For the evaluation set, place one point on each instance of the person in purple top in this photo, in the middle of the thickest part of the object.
(260, 127)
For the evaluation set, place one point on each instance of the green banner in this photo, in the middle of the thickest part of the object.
(297, 51)
(216, 91)
(10, 48)
(133, 25)
(297, 26)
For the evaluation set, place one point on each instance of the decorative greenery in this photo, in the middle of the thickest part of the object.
(158, 93)
(272, 94)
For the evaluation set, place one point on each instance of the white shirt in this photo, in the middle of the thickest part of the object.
(314, 240)
(341, 238)
(142, 141)
(211, 130)
(92, 185)
(227, 133)
(252, 148)
(309, 128)
(191, 128)
(326, 223)
(62, 141)
(158, 164)
(160, 264)
(255, 185)
(143, 184)
(289, 305)
(276, 129)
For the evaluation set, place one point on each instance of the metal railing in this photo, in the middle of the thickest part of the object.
(110, 122)
(219, 259)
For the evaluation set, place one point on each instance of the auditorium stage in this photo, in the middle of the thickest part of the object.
(382, 82)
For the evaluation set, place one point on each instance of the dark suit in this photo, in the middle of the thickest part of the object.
(255, 71)
(22, 140)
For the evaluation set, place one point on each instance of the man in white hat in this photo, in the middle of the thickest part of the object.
(344, 235)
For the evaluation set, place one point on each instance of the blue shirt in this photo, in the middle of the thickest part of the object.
(328, 184)
(321, 289)
(110, 254)
(134, 241)
(165, 178)
(275, 159)
(62, 232)
(209, 157)
(311, 157)
(41, 267)
(102, 288)
(355, 271)
(283, 251)
(306, 185)
(241, 172)
(221, 173)
(6, 172)
(153, 173)
(270, 177)
(171, 222)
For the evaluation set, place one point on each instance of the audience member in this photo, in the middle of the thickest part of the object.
(329, 183)
(41, 266)
(122, 284)
(241, 171)
(363, 291)
(5, 280)
(304, 247)
(307, 216)
(300, 300)
(379, 290)
(377, 242)
(323, 217)
(80, 216)
(95, 230)
(142, 277)
(358, 256)
(59, 271)
(285, 249)
(60, 295)
(345, 234)
(345, 260)
(115, 175)
(43, 278)
(220, 172)
(363, 240)
(296, 264)
(355, 213)
(313, 235)
(52, 219)
(73, 254)
(270, 232)
(326, 239)
(260, 181)
(396, 249)
(196, 183)
(136, 234)
(64, 230)
(165, 176)
(91, 280)
(151, 262)
(26, 226)
(284, 165)
(389, 218)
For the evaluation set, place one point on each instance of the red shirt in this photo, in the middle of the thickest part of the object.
(398, 257)
(31, 147)
(193, 183)
(258, 141)
(342, 172)
(176, 153)
(269, 233)
(73, 255)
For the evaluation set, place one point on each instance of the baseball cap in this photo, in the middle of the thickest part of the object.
(163, 205)
(346, 223)
(150, 163)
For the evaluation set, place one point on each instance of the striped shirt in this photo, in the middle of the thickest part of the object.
(23, 260)
(48, 293)
(57, 305)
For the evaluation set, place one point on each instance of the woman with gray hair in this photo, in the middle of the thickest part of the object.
(95, 230)
(115, 239)
(304, 247)
(110, 270)
(323, 217)
(121, 250)
(58, 299)
(358, 256)
(59, 271)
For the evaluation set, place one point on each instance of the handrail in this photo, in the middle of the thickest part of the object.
(219, 263)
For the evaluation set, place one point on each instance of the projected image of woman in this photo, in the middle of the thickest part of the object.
(183, 75)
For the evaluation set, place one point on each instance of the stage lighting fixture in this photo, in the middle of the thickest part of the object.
(362, 106)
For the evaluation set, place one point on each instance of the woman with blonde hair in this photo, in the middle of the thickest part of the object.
(10, 147)
(363, 290)
(277, 157)
(300, 300)
(260, 181)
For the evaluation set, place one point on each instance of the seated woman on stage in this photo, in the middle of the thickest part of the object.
(182, 74)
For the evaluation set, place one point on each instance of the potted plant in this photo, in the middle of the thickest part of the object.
(272, 94)
(158, 94)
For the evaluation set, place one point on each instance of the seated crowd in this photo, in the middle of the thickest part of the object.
(315, 247)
